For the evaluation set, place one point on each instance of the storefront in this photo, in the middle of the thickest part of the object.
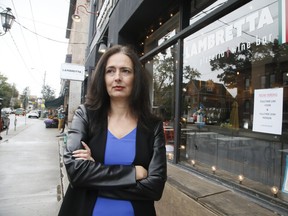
(224, 81)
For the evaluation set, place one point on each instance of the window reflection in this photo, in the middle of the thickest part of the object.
(163, 69)
(224, 63)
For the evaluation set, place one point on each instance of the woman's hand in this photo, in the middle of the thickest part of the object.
(141, 172)
(83, 154)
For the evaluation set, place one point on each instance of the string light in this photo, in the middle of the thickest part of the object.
(170, 156)
(240, 178)
(213, 168)
(274, 190)
(193, 162)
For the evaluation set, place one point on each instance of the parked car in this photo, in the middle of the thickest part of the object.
(33, 114)
(5, 120)
(20, 111)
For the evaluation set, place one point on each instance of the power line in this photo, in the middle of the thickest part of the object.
(23, 36)
(38, 45)
(51, 39)
(21, 56)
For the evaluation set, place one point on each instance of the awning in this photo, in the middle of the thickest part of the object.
(55, 103)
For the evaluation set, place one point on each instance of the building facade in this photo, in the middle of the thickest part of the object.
(220, 82)
(77, 33)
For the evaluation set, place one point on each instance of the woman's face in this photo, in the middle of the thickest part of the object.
(119, 76)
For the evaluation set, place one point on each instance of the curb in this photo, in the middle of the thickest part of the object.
(63, 176)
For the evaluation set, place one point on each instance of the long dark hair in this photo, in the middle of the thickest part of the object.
(97, 98)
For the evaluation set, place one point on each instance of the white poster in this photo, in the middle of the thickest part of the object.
(72, 72)
(268, 110)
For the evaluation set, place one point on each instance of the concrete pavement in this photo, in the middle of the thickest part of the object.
(29, 170)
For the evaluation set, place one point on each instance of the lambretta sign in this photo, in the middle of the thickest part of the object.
(250, 23)
(72, 72)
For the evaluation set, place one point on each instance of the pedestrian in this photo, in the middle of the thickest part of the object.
(65, 119)
(61, 119)
(115, 155)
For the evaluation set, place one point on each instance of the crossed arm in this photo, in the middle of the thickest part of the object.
(85, 154)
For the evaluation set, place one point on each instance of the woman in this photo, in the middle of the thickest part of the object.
(115, 156)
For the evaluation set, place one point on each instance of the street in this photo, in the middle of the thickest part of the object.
(29, 169)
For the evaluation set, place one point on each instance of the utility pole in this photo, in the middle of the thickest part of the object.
(42, 101)
(44, 80)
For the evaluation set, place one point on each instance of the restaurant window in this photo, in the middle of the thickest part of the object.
(241, 55)
(247, 83)
(163, 68)
(272, 80)
(201, 8)
(247, 106)
(263, 82)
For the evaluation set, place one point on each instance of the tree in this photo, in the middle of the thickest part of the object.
(48, 93)
(231, 63)
(164, 68)
(7, 91)
(164, 75)
(25, 97)
(190, 73)
(244, 56)
(163, 78)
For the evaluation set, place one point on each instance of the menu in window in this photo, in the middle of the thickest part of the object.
(268, 110)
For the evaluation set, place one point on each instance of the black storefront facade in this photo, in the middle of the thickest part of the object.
(220, 83)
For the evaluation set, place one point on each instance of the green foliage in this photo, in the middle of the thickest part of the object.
(48, 93)
(163, 76)
(164, 70)
(242, 59)
(190, 73)
(7, 91)
(25, 97)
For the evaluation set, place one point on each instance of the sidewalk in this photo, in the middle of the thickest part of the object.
(189, 194)
(29, 170)
(64, 179)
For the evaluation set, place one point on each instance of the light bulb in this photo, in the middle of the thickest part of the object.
(213, 169)
(240, 178)
(193, 162)
(274, 190)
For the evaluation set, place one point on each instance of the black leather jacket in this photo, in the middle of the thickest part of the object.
(90, 179)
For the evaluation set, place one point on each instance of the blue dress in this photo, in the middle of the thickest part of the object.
(121, 152)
